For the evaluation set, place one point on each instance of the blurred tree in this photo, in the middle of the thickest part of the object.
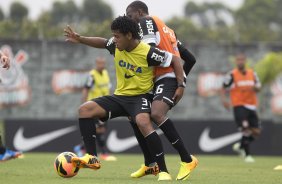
(8, 29)
(259, 20)
(269, 67)
(1, 15)
(185, 29)
(46, 28)
(97, 10)
(18, 12)
(208, 21)
(209, 15)
(65, 12)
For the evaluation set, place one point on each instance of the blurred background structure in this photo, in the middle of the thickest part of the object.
(48, 74)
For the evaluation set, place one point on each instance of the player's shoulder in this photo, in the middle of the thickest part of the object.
(148, 25)
(92, 71)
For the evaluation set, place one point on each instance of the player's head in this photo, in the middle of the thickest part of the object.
(240, 61)
(125, 32)
(100, 63)
(136, 10)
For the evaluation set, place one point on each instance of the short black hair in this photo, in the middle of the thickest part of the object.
(136, 5)
(125, 25)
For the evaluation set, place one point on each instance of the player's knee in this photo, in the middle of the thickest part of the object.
(85, 110)
(144, 124)
(157, 116)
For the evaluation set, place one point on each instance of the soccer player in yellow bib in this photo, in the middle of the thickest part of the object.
(134, 61)
(97, 84)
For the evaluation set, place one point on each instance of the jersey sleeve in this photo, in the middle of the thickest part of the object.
(157, 57)
(110, 46)
(149, 30)
(228, 80)
(89, 82)
(187, 56)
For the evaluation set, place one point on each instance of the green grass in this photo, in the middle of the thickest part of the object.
(37, 168)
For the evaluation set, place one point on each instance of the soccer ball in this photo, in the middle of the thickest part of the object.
(63, 165)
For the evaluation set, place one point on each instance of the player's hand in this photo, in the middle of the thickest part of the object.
(5, 62)
(226, 105)
(178, 94)
(70, 35)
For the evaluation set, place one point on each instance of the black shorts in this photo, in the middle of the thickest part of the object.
(117, 106)
(246, 118)
(164, 90)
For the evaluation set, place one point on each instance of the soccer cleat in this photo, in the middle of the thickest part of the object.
(164, 176)
(236, 147)
(9, 154)
(144, 170)
(249, 159)
(186, 168)
(107, 157)
(87, 161)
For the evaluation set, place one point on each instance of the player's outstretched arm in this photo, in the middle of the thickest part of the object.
(74, 37)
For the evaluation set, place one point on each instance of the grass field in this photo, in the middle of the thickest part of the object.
(37, 168)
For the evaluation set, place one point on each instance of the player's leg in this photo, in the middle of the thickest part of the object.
(6, 154)
(139, 108)
(89, 113)
(255, 130)
(153, 142)
(148, 159)
(241, 118)
(161, 104)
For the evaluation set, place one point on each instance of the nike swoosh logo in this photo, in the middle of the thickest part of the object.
(116, 144)
(25, 144)
(208, 144)
(128, 76)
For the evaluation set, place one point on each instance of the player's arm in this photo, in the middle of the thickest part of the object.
(257, 86)
(157, 57)
(74, 37)
(227, 82)
(84, 94)
(187, 56)
(5, 61)
(90, 82)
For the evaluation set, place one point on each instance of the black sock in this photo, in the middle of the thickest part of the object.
(2, 148)
(172, 135)
(148, 159)
(1, 143)
(88, 133)
(101, 140)
(245, 143)
(156, 149)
